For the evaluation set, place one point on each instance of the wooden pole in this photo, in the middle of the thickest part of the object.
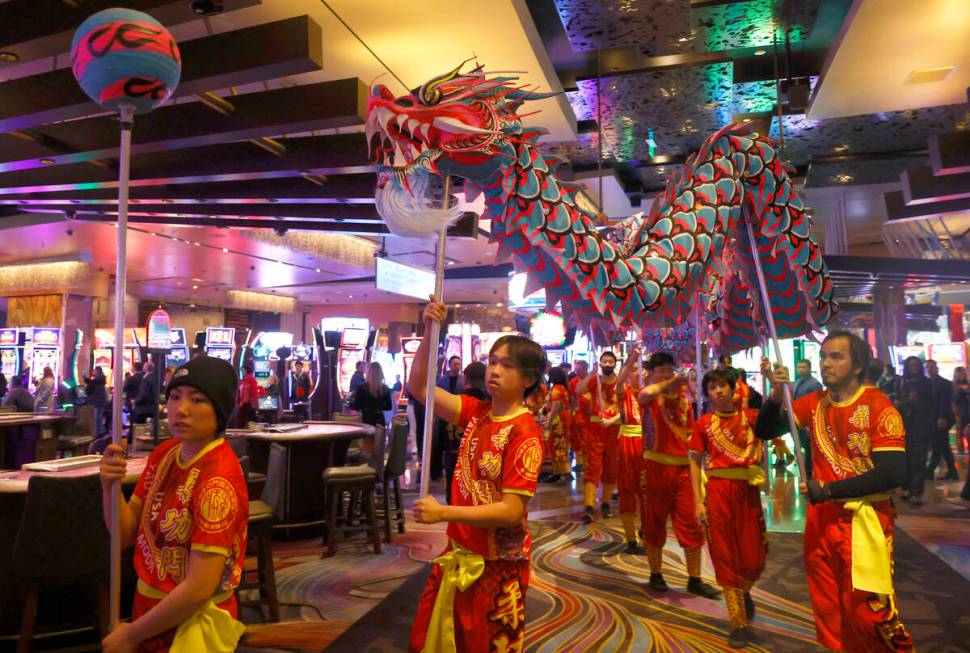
(770, 318)
(121, 271)
(432, 380)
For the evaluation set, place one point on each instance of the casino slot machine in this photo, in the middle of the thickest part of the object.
(220, 342)
(43, 349)
(11, 352)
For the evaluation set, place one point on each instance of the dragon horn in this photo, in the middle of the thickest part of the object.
(429, 92)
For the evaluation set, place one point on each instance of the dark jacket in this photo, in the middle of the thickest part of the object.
(21, 399)
(914, 398)
(147, 395)
(131, 386)
(96, 392)
(372, 408)
(942, 400)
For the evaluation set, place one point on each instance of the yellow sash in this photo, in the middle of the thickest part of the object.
(666, 459)
(871, 568)
(460, 568)
(631, 431)
(210, 629)
(753, 474)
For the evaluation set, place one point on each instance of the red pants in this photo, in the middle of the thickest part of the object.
(666, 492)
(736, 533)
(601, 454)
(847, 619)
(628, 474)
(489, 615)
(579, 433)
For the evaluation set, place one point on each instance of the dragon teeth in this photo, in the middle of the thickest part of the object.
(423, 129)
(401, 119)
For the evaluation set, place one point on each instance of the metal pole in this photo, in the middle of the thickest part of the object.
(439, 277)
(770, 318)
(114, 597)
(699, 381)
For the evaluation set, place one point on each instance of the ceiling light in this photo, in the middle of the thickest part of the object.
(207, 7)
(451, 262)
(842, 179)
(195, 287)
(317, 270)
(47, 162)
(350, 296)
(683, 39)
(225, 249)
(929, 75)
(197, 244)
(840, 148)
(759, 52)
(498, 304)
(9, 57)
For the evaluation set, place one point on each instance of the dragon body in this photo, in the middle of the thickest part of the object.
(651, 269)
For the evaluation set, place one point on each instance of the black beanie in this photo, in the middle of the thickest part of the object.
(214, 378)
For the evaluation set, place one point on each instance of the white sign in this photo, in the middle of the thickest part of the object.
(404, 279)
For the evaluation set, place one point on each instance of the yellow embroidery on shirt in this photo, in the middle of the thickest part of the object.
(173, 562)
(860, 443)
(490, 465)
(500, 439)
(860, 417)
(176, 525)
(184, 491)
(891, 423)
(509, 609)
(216, 507)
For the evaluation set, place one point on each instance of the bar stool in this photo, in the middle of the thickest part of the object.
(260, 531)
(358, 480)
(394, 466)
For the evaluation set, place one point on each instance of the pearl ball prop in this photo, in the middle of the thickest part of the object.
(124, 57)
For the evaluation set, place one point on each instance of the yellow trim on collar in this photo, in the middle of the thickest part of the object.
(504, 418)
(211, 548)
(848, 402)
(206, 449)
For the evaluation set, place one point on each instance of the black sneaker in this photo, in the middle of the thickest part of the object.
(738, 638)
(552, 478)
(588, 515)
(632, 548)
(700, 588)
(657, 583)
(748, 606)
(605, 510)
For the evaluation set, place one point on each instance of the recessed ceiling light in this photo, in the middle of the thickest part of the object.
(451, 262)
(758, 53)
(929, 75)
(840, 148)
(9, 57)
(843, 179)
(225, 249)
(498, 304)
(683, 39)
(316, 270)
(47, 162)
(195, 287)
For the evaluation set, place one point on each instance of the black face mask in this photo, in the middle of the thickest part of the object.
(607, 370)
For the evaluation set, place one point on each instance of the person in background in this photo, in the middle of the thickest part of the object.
(247, 397)
(97, 394)
(568, 369)
(273, 386)
(961, 406)
(754, 397)
(915, 402)
(18, 396)
(805, 383)
(373, 397)
(876, 369)
(300, 389)
(859, 437)
(186, 519)
(724, 364)
(473, 382)
(166, 379)
(604, 433)
(943, 419)
(147, 399)
(474, 600)
(129, 389)
(558, 423)
(3, 385)
(358, 378)
(398, 386)
(44, 395)
(889, 383)
(581, 405)
(450, 381)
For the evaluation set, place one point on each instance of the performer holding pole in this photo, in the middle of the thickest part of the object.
(475, 598)
(668, 422)
(604, 431)
(731, 511)
(630, 447)
(858, 454)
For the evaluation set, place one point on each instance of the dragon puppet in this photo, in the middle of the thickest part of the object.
(651, 269)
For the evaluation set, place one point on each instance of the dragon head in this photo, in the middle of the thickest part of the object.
(461, 124)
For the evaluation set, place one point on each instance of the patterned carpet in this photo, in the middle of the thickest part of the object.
(586, 595)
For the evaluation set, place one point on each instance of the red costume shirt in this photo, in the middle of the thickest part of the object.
(605, 403)
(583, 402)
(200, 504)
(560, 394)
(845, 434)
(728, 439)
(631, 407)
(497, 455)
(248, 391)
(671, 421)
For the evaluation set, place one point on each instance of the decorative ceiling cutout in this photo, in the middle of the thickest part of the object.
(855, 173)
(661, 27)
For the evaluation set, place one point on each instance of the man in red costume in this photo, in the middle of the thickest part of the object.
(732, 510)
(603, 434)
(582, 406)
(630, 448)
(858, 454)
(665, 475)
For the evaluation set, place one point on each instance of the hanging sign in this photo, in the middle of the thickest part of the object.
(159, 331)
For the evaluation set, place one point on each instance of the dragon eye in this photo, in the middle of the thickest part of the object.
(404, 102)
